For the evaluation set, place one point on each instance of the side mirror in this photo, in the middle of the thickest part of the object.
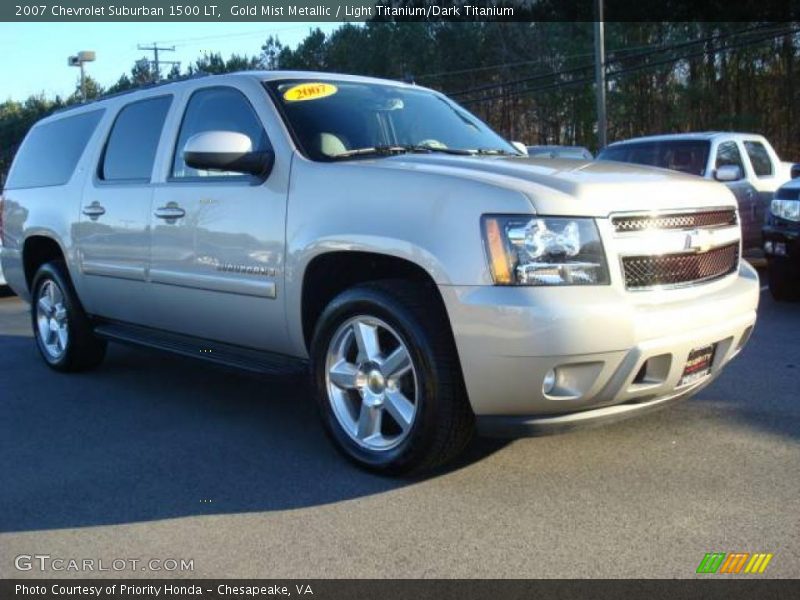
(728, 173)
(521, 147)
(795, 171)
(227, 151)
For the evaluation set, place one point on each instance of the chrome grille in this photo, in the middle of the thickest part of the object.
(642, 272)
(705, 219)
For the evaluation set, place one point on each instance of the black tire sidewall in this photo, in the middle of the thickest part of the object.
(377, 303)
(783, 285)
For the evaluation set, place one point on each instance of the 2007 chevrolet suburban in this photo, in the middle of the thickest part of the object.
(433, 276)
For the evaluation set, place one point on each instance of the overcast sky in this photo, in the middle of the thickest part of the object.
(34, 55)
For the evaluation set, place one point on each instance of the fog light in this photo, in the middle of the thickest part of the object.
(549, 381)
(780, 249)
(768, 247)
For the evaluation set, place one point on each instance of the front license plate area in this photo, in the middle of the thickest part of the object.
(698, 365)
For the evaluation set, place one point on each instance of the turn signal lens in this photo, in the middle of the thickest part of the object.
(498, 257)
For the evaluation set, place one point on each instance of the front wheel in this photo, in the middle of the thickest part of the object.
(62, 330)
(388, 382)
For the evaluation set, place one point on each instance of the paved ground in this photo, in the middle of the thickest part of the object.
(159, 457)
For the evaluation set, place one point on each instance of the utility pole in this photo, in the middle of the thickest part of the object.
(155, 48)
(600, 75)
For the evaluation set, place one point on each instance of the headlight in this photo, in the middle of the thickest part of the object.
(525, 250)
(786, 209)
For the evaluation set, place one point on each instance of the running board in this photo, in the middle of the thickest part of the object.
(248, 359)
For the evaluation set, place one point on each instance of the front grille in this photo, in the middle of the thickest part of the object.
(705, 219)
(679, 269)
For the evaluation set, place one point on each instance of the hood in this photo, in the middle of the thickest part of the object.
(573, 187)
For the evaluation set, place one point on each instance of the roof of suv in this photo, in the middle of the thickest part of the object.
(701, 135)
(260, 75)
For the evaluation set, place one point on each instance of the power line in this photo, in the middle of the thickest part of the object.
(745, 31)
(538, 61)
(623, 71)
(156, 63)
(223, 36)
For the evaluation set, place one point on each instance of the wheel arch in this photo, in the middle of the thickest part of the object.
(38, 249)
(329, 273)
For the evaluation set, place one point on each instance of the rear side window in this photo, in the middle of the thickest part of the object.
(759, 158)
(49, 154)
(131, 147)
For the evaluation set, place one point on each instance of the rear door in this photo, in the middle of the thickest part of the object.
(218, 237)
(765, 179)
(112, 236)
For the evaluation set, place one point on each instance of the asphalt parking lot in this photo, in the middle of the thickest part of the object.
(154, 456)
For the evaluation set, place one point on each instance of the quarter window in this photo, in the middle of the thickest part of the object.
(759, 158)
(217, 109)
(728, 155)
(132, 145)
(49, 154)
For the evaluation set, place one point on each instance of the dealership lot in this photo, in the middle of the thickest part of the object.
(161, 457)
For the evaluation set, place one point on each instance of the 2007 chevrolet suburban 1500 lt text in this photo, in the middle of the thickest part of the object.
(434, 278)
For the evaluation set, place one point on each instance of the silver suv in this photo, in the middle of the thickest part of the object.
(432, 276)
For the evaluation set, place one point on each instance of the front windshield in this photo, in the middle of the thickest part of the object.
(336, 120)
(688, 156)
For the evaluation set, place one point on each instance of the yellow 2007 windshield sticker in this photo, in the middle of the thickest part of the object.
(309, 91)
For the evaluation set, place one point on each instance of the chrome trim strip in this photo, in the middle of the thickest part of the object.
(215, 283)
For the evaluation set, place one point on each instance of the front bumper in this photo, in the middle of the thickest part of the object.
(614, 352)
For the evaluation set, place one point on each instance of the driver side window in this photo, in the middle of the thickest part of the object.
(217, 109)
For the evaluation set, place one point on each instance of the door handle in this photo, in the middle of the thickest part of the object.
(170, 212)
(94, 210)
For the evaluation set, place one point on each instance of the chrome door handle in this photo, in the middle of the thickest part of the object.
(94, 210)
(170, 212)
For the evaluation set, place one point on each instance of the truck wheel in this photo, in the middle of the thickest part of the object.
(781, 284)
(388, 381)
(62, 330)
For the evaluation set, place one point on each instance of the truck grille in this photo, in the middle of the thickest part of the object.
(679, 269)
(705, 219)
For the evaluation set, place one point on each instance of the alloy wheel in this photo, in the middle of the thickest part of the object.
(372, 383)
(51, 320)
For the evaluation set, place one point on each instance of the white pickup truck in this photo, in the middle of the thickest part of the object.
(745, 162)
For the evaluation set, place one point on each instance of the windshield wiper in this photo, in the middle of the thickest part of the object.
(388, 150)
(494, 152)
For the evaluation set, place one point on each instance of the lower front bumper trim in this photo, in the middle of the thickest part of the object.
(530, 426)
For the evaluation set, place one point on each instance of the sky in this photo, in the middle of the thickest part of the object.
(33, 56)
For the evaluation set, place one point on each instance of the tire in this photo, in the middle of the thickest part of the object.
(406, 317)
(782, 286)
(70, 344)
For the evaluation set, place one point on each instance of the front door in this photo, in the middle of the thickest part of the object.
(729, 154)
(218, 237)
(112, 236)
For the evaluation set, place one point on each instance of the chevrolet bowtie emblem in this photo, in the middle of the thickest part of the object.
(699, 240)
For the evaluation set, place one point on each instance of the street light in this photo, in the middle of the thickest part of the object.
(78, 60)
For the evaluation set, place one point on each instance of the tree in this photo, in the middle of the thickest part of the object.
(92, 89)
(270, 53)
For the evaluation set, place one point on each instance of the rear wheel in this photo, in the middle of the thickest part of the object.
(783, 283)
(62, 330)
(389, 386)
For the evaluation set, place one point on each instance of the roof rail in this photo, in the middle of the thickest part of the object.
(138, 88)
